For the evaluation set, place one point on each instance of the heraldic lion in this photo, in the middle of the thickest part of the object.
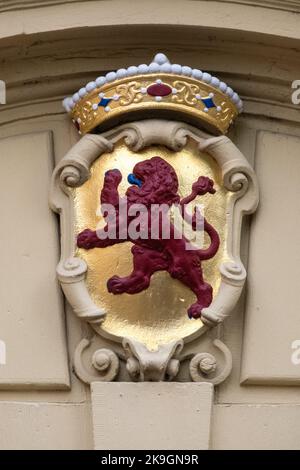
(154, 181)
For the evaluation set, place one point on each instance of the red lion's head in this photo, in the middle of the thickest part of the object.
(157, 183)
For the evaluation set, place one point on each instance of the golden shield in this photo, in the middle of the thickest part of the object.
(158, 314)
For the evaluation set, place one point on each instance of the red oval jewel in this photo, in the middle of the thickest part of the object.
(159, 89)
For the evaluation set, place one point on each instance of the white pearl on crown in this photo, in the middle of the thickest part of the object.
(153, 67)
(71, 103)
(132, 70)
(206, 77)
(176, 68)
(166, 67)
(186, 70)
(76, 97)
(143, 68)
(215, 81)
(100, 81)
(161, 59)
(66, 104)
(110, 76)
(223, 86)
(91, 86)
(229, 91)
(121, 73)
(82, 92)
(197, 74)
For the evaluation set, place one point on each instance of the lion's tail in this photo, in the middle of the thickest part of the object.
(214, 245)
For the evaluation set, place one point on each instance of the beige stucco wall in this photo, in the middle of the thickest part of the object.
(48, 50)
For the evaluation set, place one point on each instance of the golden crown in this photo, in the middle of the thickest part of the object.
(155, 90)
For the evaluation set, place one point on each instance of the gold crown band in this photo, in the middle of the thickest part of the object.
(201, 102)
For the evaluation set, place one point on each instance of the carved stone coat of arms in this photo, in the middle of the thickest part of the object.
(151, 200)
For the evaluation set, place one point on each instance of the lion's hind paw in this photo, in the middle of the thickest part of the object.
(115, 285)
(194, 311)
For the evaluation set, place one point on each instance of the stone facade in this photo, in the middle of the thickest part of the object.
(49, 49)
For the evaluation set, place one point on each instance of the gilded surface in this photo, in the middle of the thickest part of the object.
(131, 99)
(159, 314)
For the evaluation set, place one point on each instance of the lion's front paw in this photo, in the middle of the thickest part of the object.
(203, 185)
(86, 239)
(113, 177)
(115, 285)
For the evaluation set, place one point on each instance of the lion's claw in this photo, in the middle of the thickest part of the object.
(113, 177)
(203, 185)
(86, 239)
(194, 311)
(115, 285)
